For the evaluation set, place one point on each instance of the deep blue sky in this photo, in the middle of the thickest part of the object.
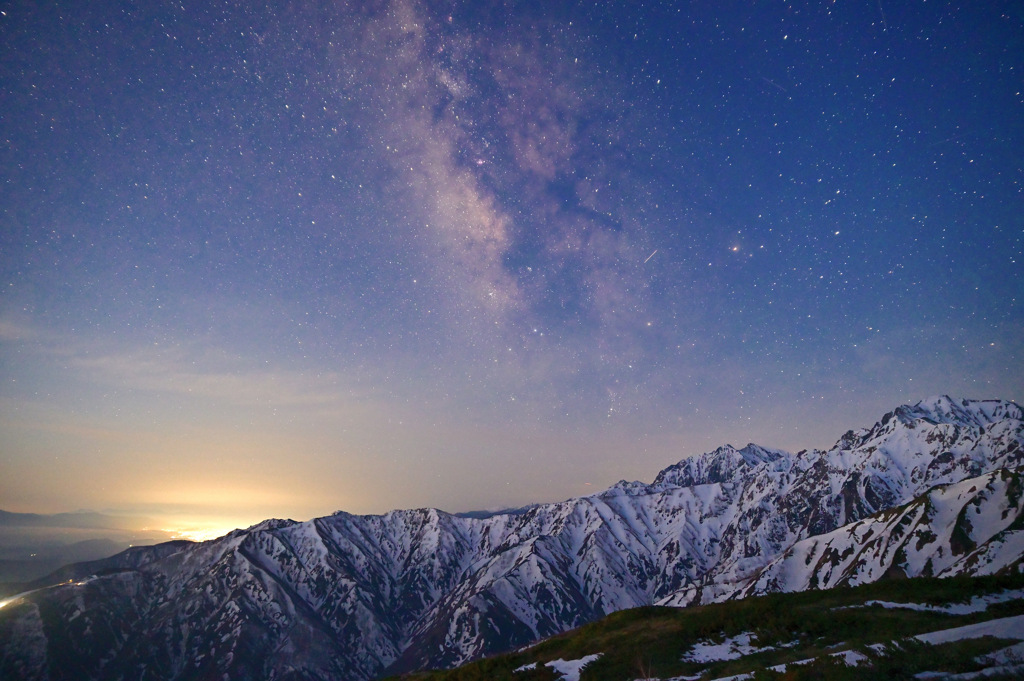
(311, 256)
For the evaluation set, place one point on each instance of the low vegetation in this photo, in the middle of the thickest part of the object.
(652, 642)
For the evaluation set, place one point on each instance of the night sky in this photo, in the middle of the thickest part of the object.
(276, 260)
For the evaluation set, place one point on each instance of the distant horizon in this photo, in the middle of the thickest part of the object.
(200, 527)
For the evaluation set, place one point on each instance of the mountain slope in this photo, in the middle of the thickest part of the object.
(972, 527)
(348, 597)
(881, 627)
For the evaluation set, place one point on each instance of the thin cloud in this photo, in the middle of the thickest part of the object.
(171, 371)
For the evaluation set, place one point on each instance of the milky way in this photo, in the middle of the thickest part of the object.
(366, 255)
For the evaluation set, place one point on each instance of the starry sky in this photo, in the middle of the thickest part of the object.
(281, 259)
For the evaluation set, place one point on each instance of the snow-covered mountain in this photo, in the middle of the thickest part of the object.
(972, 527)
(350, 597)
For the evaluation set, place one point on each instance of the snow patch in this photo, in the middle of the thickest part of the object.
(1006, 627)
(732, 648)
(976, 604)
(569, 669)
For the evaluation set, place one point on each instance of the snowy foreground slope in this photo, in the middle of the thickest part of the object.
(350, 597)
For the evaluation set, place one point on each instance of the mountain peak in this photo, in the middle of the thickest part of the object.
(720, 465)
(267, 525)
(945, 409)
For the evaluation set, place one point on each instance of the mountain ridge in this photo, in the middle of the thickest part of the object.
(409, 589)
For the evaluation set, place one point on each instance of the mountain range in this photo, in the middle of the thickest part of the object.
(932, 489)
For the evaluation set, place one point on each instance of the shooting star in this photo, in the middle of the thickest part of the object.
(650, 256)
(772, 82)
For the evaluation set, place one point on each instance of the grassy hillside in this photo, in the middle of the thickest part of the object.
(651, 642)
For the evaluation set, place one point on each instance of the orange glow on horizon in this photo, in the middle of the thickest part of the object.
(202, 511)
(199, 533)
